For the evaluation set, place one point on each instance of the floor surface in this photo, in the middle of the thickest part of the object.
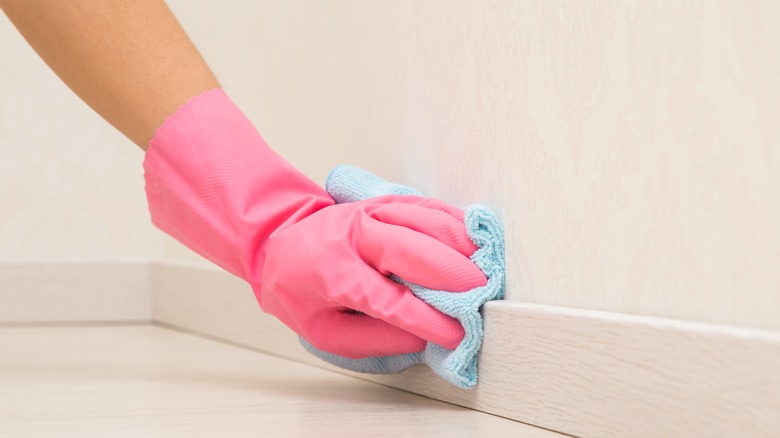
(151, 381)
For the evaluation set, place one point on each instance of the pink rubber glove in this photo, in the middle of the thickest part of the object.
(214, 184)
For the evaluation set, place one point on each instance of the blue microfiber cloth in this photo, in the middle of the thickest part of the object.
(459, 366)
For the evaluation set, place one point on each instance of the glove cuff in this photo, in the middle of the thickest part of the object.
(214, 184)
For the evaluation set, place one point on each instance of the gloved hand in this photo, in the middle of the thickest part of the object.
(213, 184)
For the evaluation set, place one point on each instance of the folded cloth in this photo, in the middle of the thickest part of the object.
(459, 366)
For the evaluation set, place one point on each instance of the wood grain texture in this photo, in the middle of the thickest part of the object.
(581, 372)
(591, 373)
(74, 292)
(147, 381)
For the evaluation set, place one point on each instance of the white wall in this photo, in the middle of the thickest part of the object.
(71, 187)
(631, 147)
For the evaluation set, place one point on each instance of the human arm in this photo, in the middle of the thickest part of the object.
(213, 184)
(130, 61)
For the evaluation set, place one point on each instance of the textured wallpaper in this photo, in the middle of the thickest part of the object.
(631, 147)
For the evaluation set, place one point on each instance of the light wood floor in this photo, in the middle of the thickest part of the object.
(150, 381)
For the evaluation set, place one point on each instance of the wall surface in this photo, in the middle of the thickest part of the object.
(631, 147)
(71, 186)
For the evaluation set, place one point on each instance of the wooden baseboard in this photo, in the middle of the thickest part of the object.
(581, 372)
(219, 305)
(57, 292)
